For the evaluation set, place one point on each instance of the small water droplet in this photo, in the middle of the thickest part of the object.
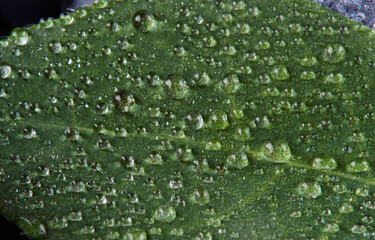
(334, 78)
(346, 208)
(165, 214)
(359, 229)
(55, 47)
(331, 228)
(123, 101)
(308, 61)
(135, 234)
(72, 134)
(213, 145)
(144, 21)
(155, 158)
(310, 190)
(29, 133)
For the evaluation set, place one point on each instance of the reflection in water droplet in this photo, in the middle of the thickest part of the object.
(144, 21)
(165, 214)
(310, 190)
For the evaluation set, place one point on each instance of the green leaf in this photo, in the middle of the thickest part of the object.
(189, 120)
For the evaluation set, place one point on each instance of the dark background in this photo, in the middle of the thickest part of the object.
(22, 13)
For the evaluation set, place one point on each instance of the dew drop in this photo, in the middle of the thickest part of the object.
(308, 61)
(103, 144)
(55, 47)
(359, 229)
(21, 36)
(177, 87)
(144, 21)
(324, 163)
(346, 208)
(135, 234)
(242, 133)
(123, 101)
(72, 134)
(194, 121)
(331, 228)
(333, 53)
(264, 45)
(5, 71)
(201, 196)
(155, 158)
(279, 72)
(275, 152)
(32, 228)
(165, 214)
(213, 145)
(29, 133)
(358, 166)
(230, 84)
(334, 78)
(204, 80)
(237, 160)
(308, 75)
(185, 154)
(219, 120)
(310, 190)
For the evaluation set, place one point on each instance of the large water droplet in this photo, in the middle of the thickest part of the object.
(194, 121)
(275, 152)
(310, 190)
(165, 214)
(219, 120)
(55, 47)
(358, 166)
(237, 160)
(325, 163)
(242, 133)
(21, 36)
(230, 84)
(201, 196)
(144, 21)
(5, 71)
(333, 53)
(279, 72)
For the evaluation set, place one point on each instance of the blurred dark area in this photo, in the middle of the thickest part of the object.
(10, 231)
(22, 13)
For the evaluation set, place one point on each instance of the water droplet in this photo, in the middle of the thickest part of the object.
(58, 223)
(203, 80)
(264, 45)
(135, 234)
(358, 166)
(324, 163)
(29, 133)
(75, 216)
(5, 71)
(333, 53)
(310, 190)
(201, 196)
(219, 120)
(359, 229)
(194, 121)
(237, 160)
(213, 145)
(308, 75)
(308, 61)
(21, 36)
(177, 87)
(123, 101)
(362, 192)
(67, 19)
(346, 208)
(334, 78)
(144, 21)
(230, 84)
(242, 133)
(155, 158)
(331, 228)
(275, 152)
(33, 228)
(103, 144)
(165, 214)
(72, 134)
(55, 47)
(280, 72)
(185, 154)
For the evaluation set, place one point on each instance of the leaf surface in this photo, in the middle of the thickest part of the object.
(189, 120)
